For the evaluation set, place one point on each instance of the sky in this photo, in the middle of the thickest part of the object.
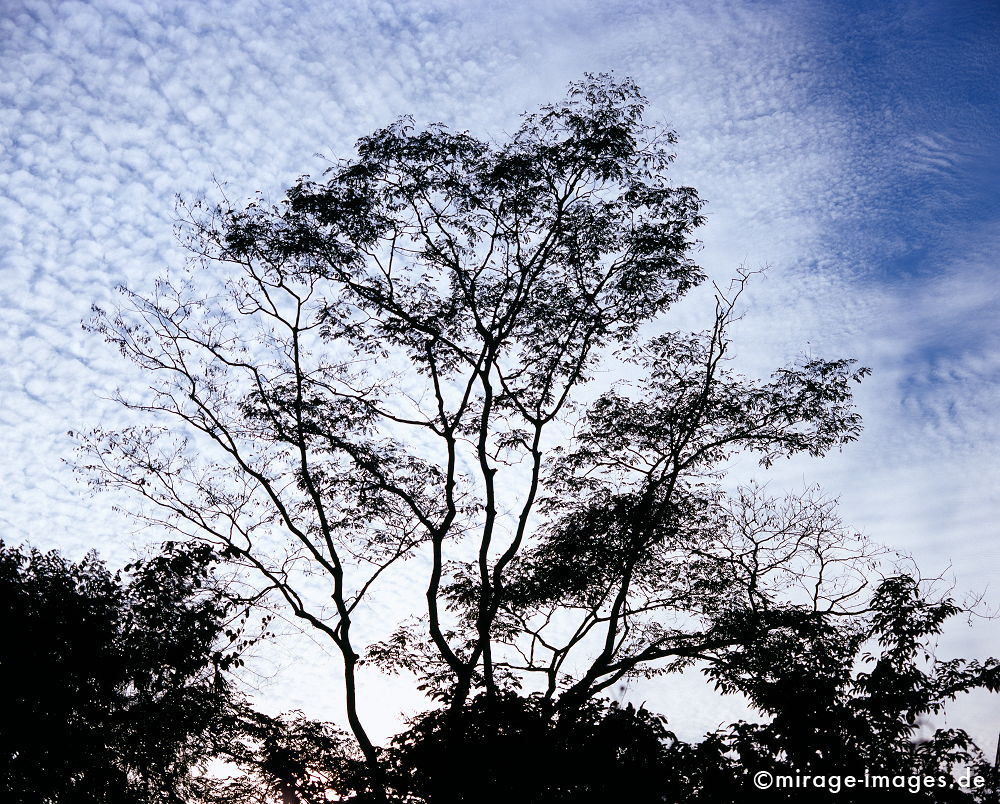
(852, 148)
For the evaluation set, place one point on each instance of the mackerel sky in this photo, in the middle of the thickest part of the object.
(852, 148)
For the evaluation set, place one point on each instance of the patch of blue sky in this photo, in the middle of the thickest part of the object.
(919, 80)
(851, 145)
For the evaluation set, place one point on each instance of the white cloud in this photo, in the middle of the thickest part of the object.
(109, 108)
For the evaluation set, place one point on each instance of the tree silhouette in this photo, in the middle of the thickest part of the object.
(117, 694)
(392, 363)
(114, 689)
(848, 698)
(845, 698)
(288, 759)
(512, 748)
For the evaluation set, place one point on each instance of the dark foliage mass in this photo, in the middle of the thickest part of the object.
(112, 688)
(118, 690)
(844, 699)
(392, 365)
(519, 749)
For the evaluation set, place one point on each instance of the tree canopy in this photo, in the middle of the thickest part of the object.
(846, 698)
(407, 360)
(114, 689)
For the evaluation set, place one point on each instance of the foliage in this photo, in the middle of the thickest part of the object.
(850, 698)
(288, 759)
(511, 748)
(114, 689)
(390, 364)
(835, 710)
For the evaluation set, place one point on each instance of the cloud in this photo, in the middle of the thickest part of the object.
(824, 146)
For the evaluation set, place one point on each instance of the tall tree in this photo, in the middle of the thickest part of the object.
(390, 363)
(855, 698)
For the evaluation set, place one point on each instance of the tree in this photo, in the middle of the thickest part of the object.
(114, 690)
(288, 759)
(845, 697)
(597, 753)
(392, 363)
(848, 697)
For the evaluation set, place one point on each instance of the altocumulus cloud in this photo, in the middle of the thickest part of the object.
(842, 145)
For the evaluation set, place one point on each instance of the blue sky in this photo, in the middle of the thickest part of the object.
(853, 148)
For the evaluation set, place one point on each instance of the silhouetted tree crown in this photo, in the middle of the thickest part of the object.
(389, 364)
(113, 689)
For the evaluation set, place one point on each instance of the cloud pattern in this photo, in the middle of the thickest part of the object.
(847, 147)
